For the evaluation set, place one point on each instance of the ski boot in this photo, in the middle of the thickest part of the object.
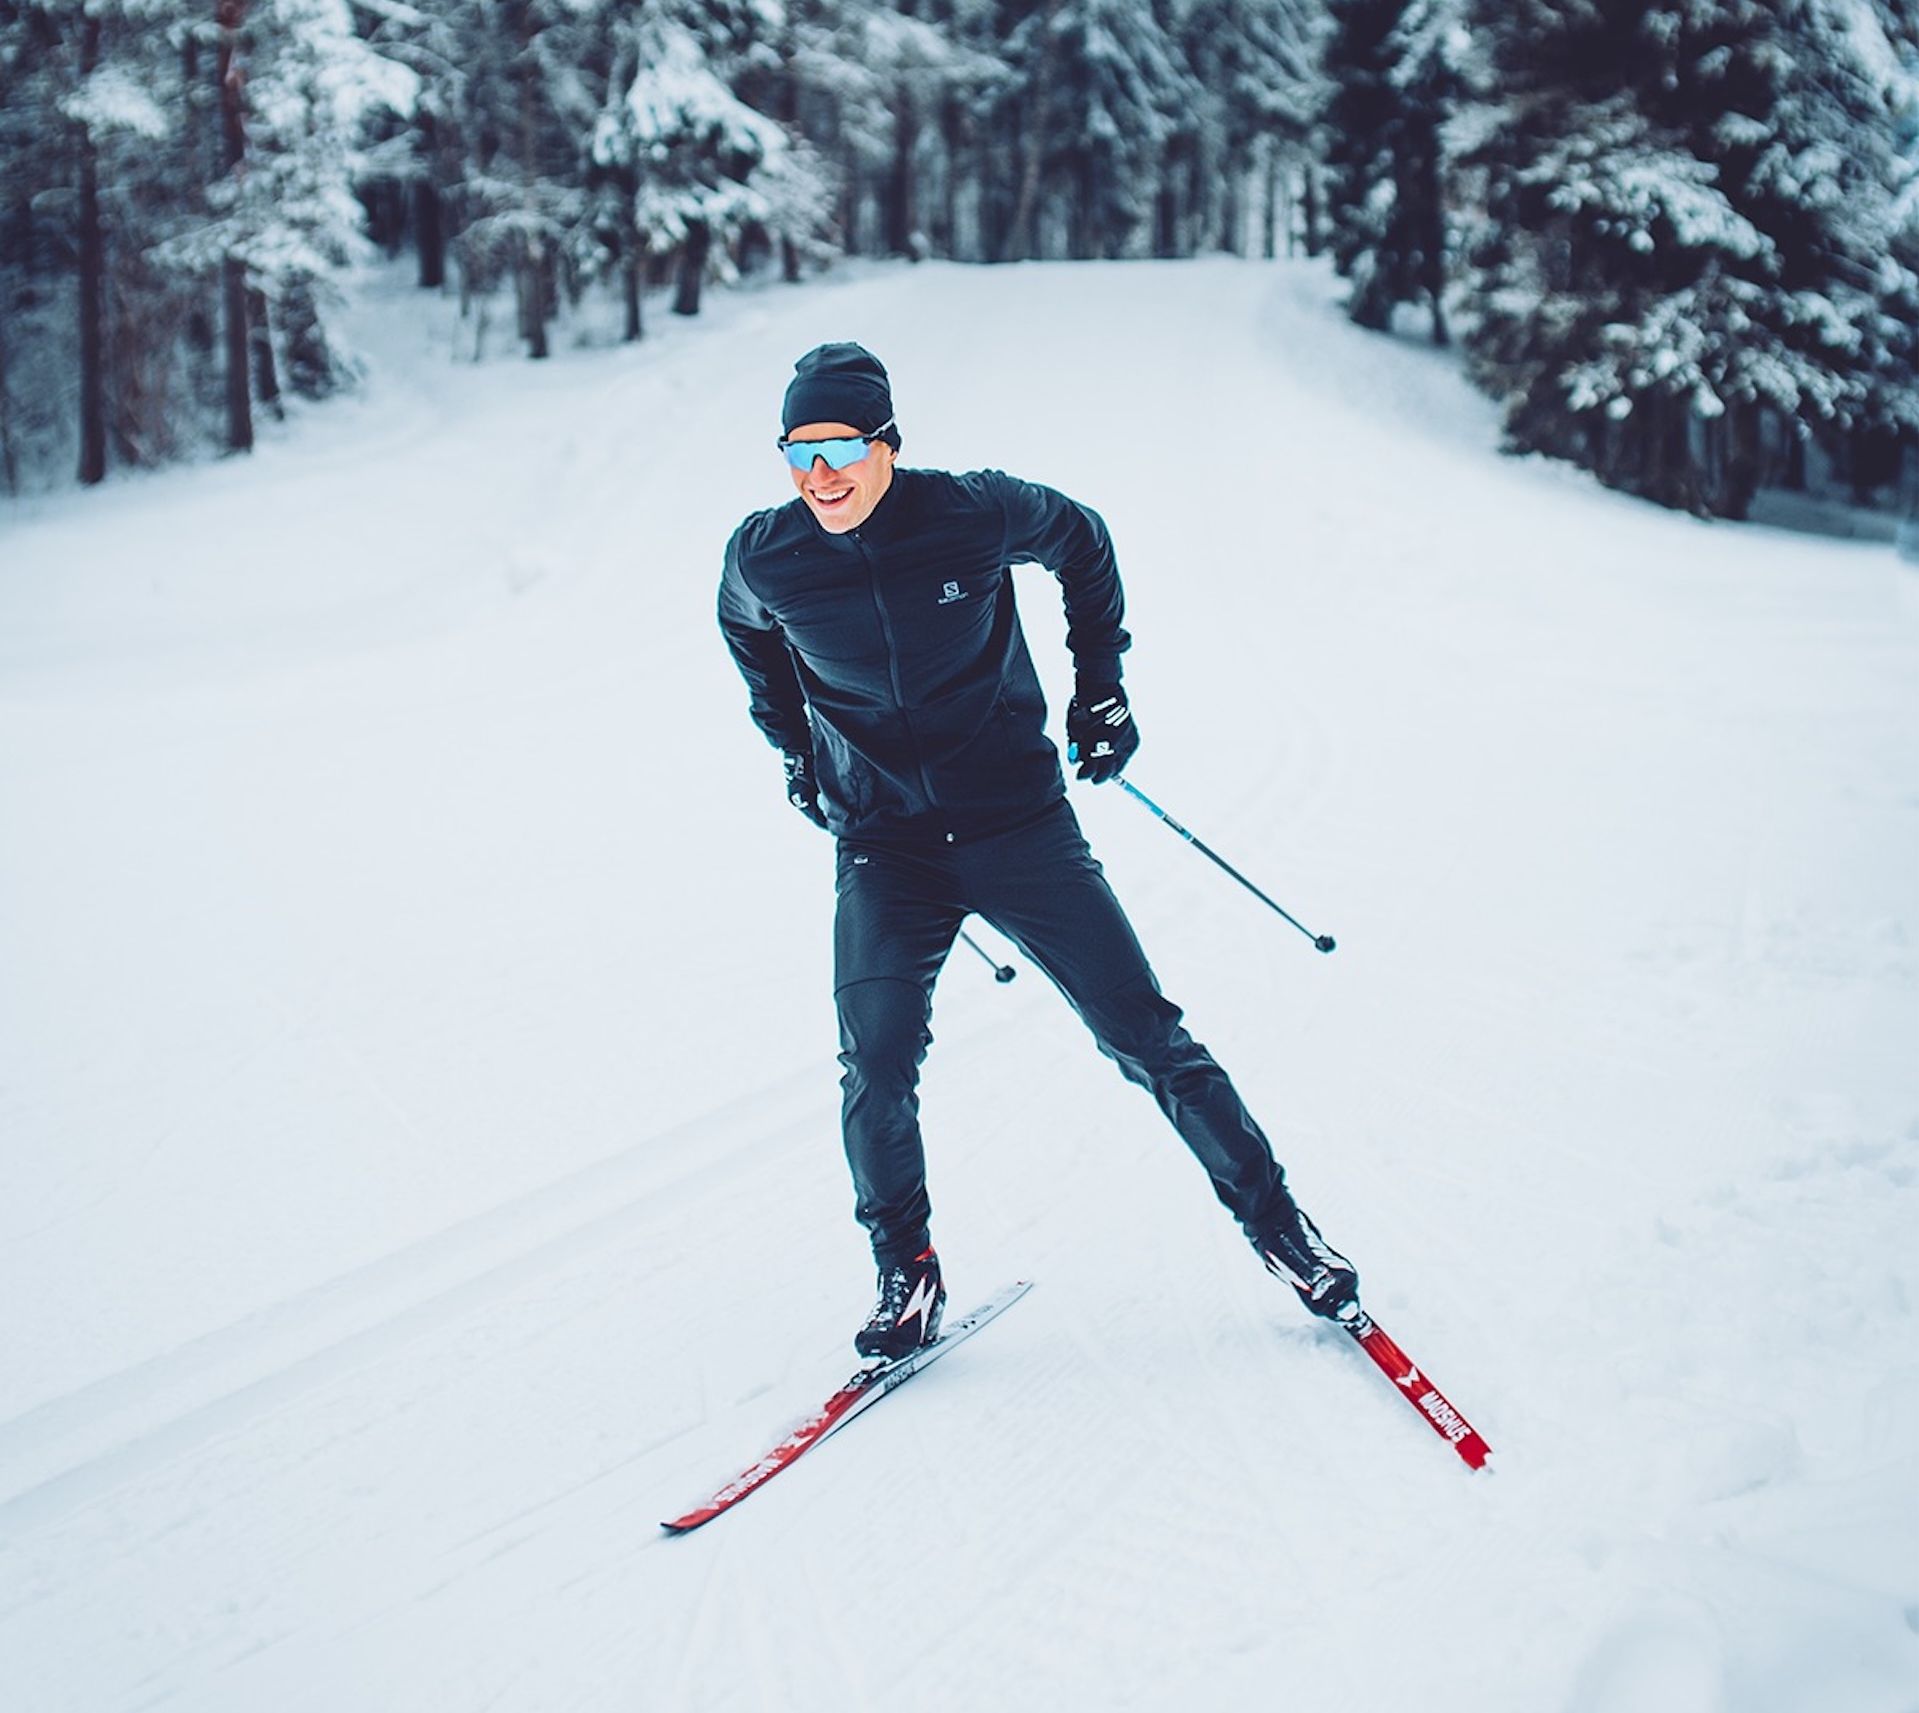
(1292, 1248)
(907, 1315)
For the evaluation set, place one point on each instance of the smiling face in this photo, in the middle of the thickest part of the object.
(842, 499)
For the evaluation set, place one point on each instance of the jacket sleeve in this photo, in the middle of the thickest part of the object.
(775, 699)
(1070, 540)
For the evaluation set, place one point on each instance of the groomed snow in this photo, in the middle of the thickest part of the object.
(420, 1167)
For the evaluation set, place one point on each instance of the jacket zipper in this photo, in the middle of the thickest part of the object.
(893, 668)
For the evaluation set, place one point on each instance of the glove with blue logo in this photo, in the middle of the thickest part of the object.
(1100, 733)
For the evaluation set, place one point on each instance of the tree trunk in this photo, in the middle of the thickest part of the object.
(693, 254)
(93, 409)
(231, 16)
(900, 213)
(849, 211)
(1315, 239)
(312, 371)
(535, 309)
(7, 461)
(1743, 454)
(632, 273)
(1671, 469)
(1019, 229)
(994, 235)
(429, 234)
(1793, 476)
(266, 377)
(1430, 177)
(952, 143)
(535, 269)
(786, 109)
(383, 205)
(1874, 456)
(1021, 238)
(1289, 212)
(233, 319)
(1166, 203)
(1086, 232)
(1197, 202)
(1269, 197)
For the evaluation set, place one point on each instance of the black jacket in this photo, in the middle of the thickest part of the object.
(901, 641)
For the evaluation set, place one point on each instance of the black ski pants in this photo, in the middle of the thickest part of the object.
(1039, 885)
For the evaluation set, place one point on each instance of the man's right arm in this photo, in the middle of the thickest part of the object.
(777, 702)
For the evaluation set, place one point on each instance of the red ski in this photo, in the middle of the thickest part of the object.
(865, 1389)
(1419, 1391)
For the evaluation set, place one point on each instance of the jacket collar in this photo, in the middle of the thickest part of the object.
(885, 522)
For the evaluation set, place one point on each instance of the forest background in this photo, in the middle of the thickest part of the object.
(1677, 240)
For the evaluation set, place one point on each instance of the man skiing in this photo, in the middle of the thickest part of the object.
(873, 620)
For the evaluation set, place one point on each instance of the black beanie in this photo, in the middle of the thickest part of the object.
(840, 383)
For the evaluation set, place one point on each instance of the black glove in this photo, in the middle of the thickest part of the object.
(803, 786)
(1100, 731)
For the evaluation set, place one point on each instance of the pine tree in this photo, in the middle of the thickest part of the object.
(292, 83)
(1100, 87)
(700, 168)
(93, 171)
(506, 103)
(182, 169)
(1427, 48)
(1690, 215)
(1392, 82)
(312, 98)
(1255, 63)
(1356, 123)
(896, 76)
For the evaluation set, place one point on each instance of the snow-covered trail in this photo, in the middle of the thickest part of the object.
(420, 1166)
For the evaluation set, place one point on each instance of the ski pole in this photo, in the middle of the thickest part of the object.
(1321, 942)
(1001, 972)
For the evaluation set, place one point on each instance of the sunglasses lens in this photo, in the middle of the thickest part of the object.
(837, 453)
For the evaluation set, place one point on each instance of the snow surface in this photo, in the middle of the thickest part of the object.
(421, 1168)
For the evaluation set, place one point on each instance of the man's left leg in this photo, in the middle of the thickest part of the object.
(1043, 888)
(892, 930)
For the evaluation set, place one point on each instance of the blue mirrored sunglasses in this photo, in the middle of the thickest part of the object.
(839, 454)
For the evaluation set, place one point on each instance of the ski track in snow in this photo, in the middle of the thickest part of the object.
(417, 1064)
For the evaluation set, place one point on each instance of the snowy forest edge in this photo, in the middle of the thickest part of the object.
(1677, 242)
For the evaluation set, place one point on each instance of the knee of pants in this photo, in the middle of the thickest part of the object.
(883, 1033)
(1138, 1028)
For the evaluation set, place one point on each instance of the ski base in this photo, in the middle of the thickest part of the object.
(1419, 1391)
(860, 1393)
